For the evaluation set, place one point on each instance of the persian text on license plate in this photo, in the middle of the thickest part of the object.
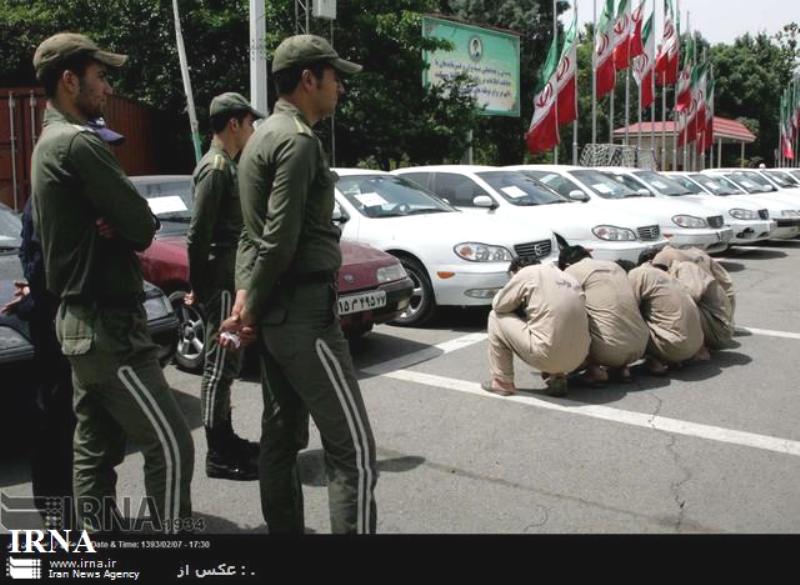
(362, 302)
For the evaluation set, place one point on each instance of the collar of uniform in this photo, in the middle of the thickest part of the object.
(285, 107)
(53, 115)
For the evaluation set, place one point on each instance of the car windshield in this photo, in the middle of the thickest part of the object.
(170, 201)
(662, 184)
(753, 182)
(717, 185)
(688, 184)
(10, 228)
(796, 175)
(519, 189)
(603, 185)
(389, 196)
(785, 180)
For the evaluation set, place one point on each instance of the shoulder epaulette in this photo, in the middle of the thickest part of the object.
(302, 128)
(82, 128)
(218, 164)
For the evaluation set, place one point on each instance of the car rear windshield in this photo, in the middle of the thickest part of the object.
(717, 185)
(518, 189)
(662, 184)
(604, 185)
(688, 184)
(10, 228)
(783, 179)
(169, 200)
(389, 196)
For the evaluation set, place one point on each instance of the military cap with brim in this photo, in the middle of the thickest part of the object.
(304, 49)
(64, 45)
(232, 102)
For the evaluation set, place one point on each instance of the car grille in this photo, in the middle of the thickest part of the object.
(649, 233)
(537, 249)
(715, 221)
(763, 213)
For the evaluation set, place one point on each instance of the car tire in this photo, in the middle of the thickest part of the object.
(190, 352)
(422, 305)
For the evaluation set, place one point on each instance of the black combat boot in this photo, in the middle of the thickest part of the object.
(226, 458)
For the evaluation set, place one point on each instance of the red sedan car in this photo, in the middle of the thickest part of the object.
(373, 286)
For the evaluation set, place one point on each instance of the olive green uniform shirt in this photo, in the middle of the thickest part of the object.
(286, 190)
(76, 179)
(216, 216)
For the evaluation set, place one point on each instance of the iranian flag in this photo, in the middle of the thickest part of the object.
(786, 141)
(622, 37)
(568, 75)
(667, 62)
(685, 122)
(605, 73)
(708, 132)
(684, 88)
(637, 40)
(644, 64)
(543, 133)
(700, 91)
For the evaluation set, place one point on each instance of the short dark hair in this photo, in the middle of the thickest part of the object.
(571, 255)
(286, 80)
(521, 262)
(219, 121)
(647, 256)
(76, 63)
(626, 265)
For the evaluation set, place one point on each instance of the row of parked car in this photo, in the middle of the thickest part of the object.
(420, 238)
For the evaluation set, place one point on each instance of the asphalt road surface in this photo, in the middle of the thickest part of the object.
(714, 448)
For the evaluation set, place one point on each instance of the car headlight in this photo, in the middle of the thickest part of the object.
(790, 213)
(390, 273)
(475, 252)
(157, 307)
(689, 221)
(613, 234)
(743, 214)
(11, 339)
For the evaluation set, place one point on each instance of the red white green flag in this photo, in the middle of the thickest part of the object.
(700, 94)
(637, 22)
(684, 123)
(684, 87)
(644, 64)
(786, 140)
(568, 75)
(543, 132)
(708, 131)
(667, 62)
(622, 36)
(605, 73)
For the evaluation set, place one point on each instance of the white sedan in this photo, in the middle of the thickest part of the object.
(502, 194)
(453, 258)
(742, 217)
(683, 224)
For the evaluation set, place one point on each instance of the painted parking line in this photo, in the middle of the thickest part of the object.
(424, 355)
(636, 419)
(768, 332)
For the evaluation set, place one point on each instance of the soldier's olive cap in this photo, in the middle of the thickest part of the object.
(232, 102)
(64, 45)
(302, 49)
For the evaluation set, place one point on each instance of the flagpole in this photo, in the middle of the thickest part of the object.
(663, 121)
(639, 133)
(555, 104)
(628, 78)
(187, 83)
(594, 72)
(611, 116)
(575, 123)
(675, 115)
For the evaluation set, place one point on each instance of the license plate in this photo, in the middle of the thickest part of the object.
(362, 302)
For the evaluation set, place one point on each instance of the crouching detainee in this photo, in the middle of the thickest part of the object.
(618, 331)
(672, 317)
(540, 316)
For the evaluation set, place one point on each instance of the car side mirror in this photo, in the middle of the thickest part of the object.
(644, 192)
(578, 195)
(484, 201)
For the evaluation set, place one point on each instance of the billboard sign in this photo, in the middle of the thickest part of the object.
(490, 57)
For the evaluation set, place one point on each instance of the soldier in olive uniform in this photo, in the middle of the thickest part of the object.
(286, 279)
(91, 221)
(213, 237)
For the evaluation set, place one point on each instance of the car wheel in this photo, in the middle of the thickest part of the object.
(422, 305)
(190, 353)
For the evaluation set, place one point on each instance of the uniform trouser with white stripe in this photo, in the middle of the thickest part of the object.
(307, 369)
(221, 366)
(121, 394)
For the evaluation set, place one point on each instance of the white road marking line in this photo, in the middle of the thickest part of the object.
(637, 419)
(429, 353)
(769, 332)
